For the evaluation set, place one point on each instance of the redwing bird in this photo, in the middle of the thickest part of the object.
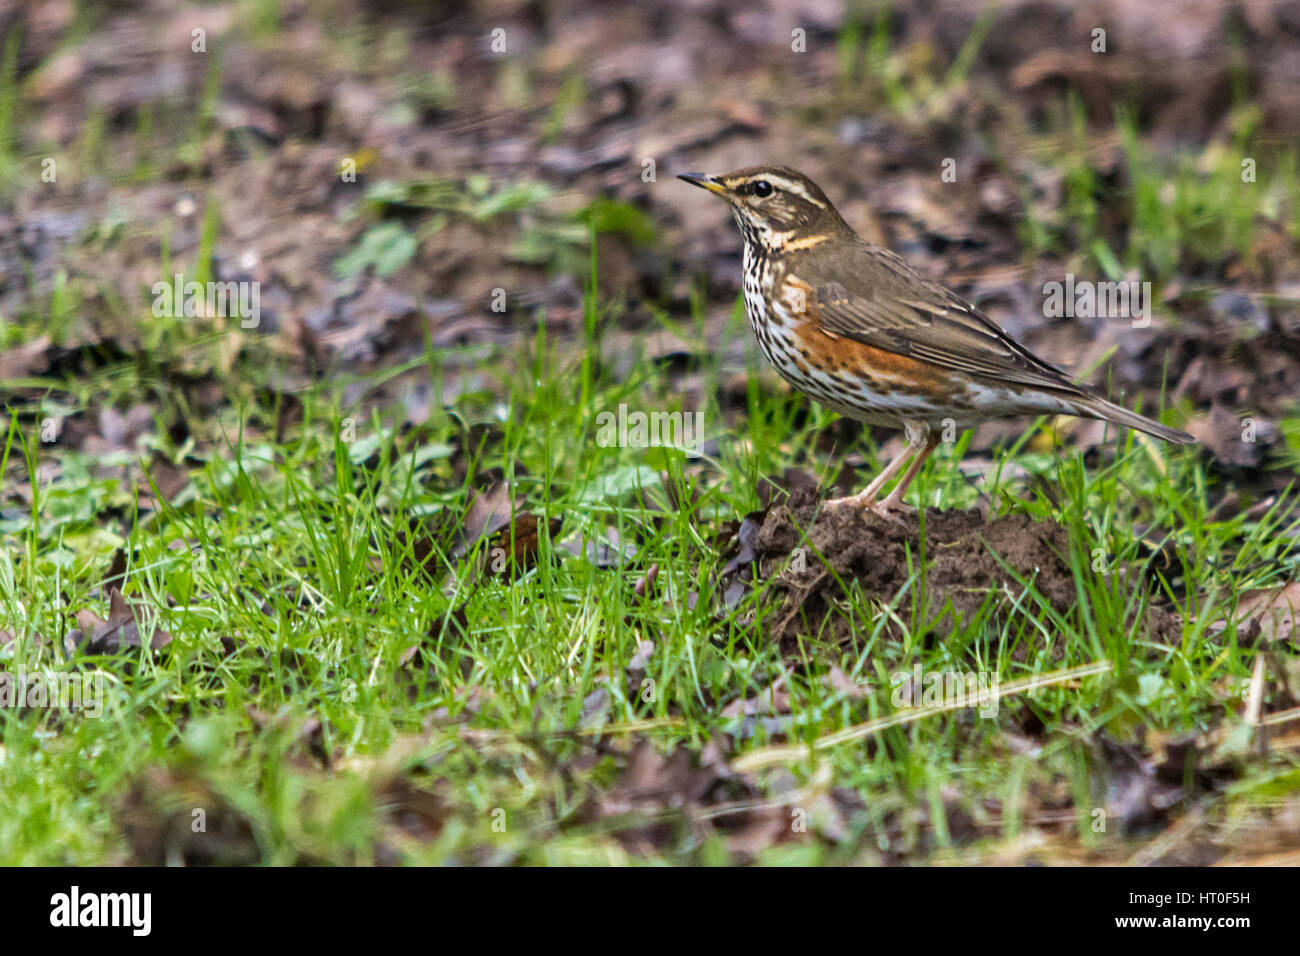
(855, 327)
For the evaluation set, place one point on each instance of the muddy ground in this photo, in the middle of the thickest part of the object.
(971, 564)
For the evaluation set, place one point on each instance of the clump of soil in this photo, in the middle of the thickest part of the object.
(967, 557)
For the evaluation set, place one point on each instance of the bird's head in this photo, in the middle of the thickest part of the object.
(773, 204)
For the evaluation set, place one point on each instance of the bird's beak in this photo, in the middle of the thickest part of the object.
(711, 183)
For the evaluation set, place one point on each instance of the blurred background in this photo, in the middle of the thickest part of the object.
(396, 175)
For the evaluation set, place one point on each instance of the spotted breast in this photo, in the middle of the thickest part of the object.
(879, 388)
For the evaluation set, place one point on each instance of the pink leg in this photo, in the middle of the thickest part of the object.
(895, 498)
(867, 495)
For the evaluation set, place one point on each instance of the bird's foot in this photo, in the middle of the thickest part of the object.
(892, 509)
(861, 500)
(889, 508)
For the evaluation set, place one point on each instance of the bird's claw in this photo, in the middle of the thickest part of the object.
(892, 509)
(855, 501)
(888, 508)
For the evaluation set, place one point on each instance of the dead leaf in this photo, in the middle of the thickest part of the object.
(25, 360)
(1273, 610)
(1234, 440)
(488, 512)
(121, 631)
(513, 551)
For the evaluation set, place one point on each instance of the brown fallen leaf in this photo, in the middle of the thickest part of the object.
(25, 360)
(1234, 440)
(488, 512)
(746, 537)
(513, 550)
(637, 666)
(122, 630)
(169, 479)
(1273, 610)
(116, 577)
(288, 415)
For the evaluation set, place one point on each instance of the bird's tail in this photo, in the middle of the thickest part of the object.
(1097, 407)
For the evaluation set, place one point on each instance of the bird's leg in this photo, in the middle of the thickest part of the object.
(894, 501)
(865, 497)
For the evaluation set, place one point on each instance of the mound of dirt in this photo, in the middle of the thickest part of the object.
(812, 553)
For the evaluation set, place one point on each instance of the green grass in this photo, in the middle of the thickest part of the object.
(1170, 216)
(914, 87)
(297, 576)
(299, 552)
(10, 103)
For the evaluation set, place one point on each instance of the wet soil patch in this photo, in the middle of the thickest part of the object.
(969, 565)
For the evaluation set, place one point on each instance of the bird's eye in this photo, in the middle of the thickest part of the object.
(762, 189)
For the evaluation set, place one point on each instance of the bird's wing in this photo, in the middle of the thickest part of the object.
(898, 309)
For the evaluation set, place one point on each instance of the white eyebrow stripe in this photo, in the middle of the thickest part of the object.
(791, 186)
